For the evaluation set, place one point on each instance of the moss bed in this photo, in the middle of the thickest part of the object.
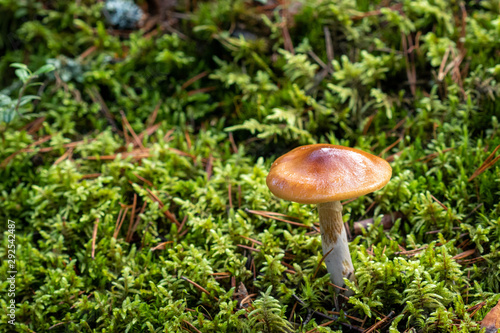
(134, 166)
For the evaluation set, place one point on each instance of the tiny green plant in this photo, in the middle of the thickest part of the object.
(8, 106)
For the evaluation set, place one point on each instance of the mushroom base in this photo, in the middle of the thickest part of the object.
(334, 242)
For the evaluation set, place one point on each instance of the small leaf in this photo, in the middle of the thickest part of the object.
(23, 75)
(19, 65)
(45, 69)
(26, 99)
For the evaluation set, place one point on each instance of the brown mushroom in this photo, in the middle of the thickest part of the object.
(324, 174)
(492, 320)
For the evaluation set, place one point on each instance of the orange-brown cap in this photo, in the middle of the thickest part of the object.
(321, 173)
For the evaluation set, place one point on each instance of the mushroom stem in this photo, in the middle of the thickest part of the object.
(334, 241)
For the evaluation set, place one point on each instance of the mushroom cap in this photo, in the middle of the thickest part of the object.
(320, 173)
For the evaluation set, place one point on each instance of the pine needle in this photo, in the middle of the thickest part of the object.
(94, 236)
(486, 164)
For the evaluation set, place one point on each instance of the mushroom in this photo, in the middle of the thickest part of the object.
(492, 320)
(324, 174)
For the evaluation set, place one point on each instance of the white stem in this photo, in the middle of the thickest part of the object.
(334, 241)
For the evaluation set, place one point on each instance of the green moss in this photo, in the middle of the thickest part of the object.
(192, 247)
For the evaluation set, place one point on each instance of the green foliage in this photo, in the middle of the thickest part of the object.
(214, 94)
(268, 315)
(8, 106)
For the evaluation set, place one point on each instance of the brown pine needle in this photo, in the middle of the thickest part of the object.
(183, 223)
(138, 218)
(329, 46)
(471, 261)
(393, 156)
(96, 97)
(198, 286)
(368, 209)
(208, 168)
(410, 64)
(94, 236)
(441, 72)
(399, 246)
(161, 246)
(135, 154)
(248, 247)
(486, 164)
(233, 144)
(266, 214)
(119, 224)
(49, 149)
(194, 79)
(287, 40)
(138, 142)
(253, 269)
(91, 175)
(464, 254)
(251, 240)
(132, 215)
(349, 201)
(260, 212)
(201, 90)
(368, 124)
(293, 311)
(125, 133)
(398, 125)
(144, 180)
(321, 261)
(34, 126)
(67, 154)
(287, 221)
(191, 325)
(391, 146)
(378, 324)
(87, 52)
(183, 233)
(476, 308)
(119, 218)
(181, 153)
(288, 265)
(347, 316)
(247, 299)
(433, 155)
(148, 131)
(188, 139)
(152, 117)
(334, 285)
(239, 196)
(59, 324)
(322, 325)
(411, 252)
(168, 136)
(398, 7)
(166, 212)
(27, 149)
(439, 202)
